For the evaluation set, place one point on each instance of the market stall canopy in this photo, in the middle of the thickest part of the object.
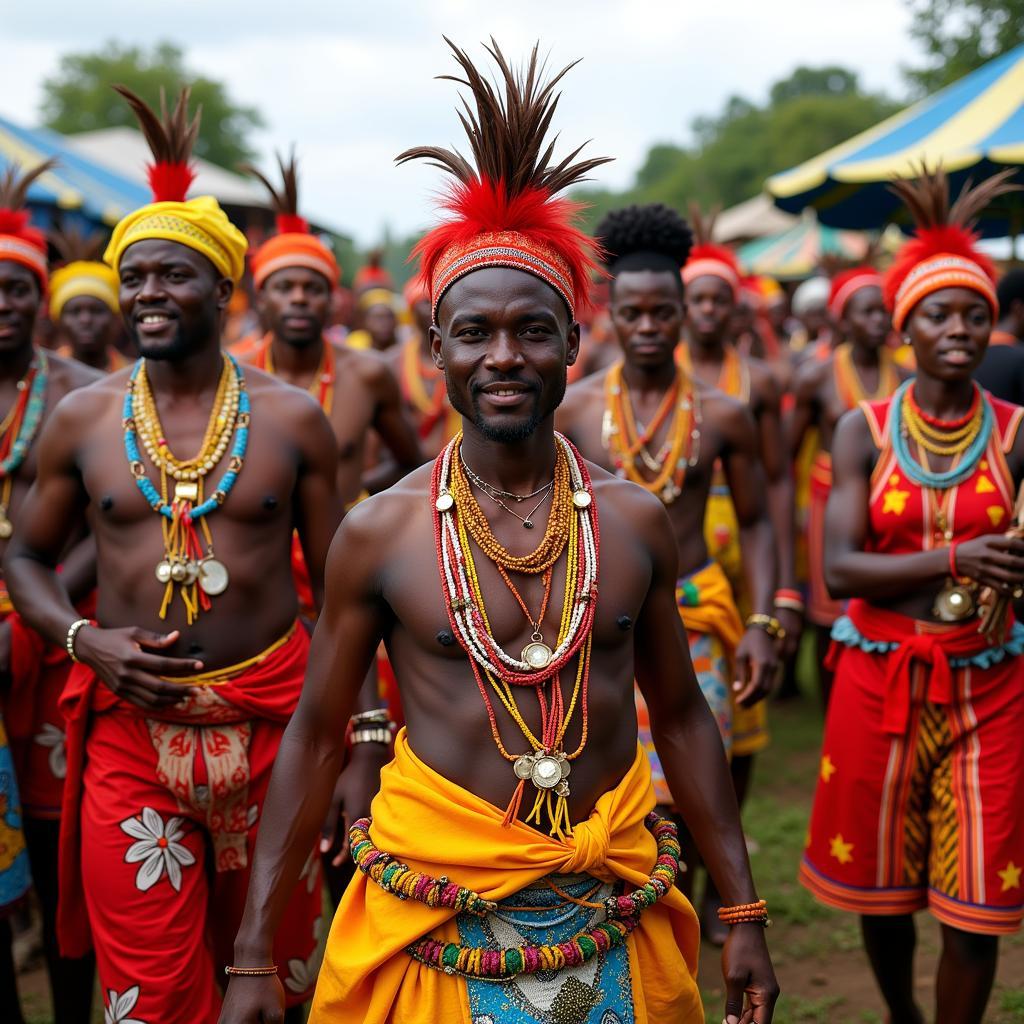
(753, 218)
(97, 192)
(126, 150)
(973, 127)
(795, 254)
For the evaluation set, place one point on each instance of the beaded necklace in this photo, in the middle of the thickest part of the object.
(430, 406)
(572, 528)
(197, 576)
(625, 440)
(969, 449)
(848, 383)
(18, 430)
(733, 377)
(322, 387)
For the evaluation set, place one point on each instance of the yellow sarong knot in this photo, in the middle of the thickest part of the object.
(589, 847)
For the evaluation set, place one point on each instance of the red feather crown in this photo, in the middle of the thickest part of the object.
(943, 252)
(19, 241)
(706, 257)
(503, 208)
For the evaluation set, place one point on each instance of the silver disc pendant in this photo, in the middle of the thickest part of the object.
(6, 527)
(547, 772)
(536, 654)
(213, 576)
(523, 766)
(581, 499)
(179, 572)
(444, 502)
(954, 603)
(163, 571)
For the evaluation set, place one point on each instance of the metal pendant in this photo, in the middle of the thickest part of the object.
(6, 526)
(536, 653)
(581, 498)
(954, 603)
(213, 576)
(545, 771)
(444, 502)
(163, 571)
(179, 572)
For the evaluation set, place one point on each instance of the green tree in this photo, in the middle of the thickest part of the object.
(78, 97)
(960, 35)
(734, 151)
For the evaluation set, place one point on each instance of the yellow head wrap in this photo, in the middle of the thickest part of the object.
(198, 223)
(379, 297)
(82, 277)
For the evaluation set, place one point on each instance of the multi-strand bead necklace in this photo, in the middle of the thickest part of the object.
(849, 385)
(197, 576)
(626, 441)
(573, 529)
(18, 431)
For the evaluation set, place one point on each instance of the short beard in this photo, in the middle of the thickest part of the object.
(511, 433)
(183, 344)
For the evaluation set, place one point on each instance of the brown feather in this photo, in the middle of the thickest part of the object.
(171, 136)
(14, 183)
(286, 198)
(74, 244)
(507, 126)
(702, 222)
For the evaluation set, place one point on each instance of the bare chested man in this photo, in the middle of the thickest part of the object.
(32, 383)
(403, 567)
(860, 368)
(193, 663)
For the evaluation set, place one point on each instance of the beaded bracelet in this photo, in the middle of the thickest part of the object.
(790, 599)
(745, 913)
(251, 972)
(375, 734)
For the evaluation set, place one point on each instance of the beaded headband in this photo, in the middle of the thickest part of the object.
(942, 271)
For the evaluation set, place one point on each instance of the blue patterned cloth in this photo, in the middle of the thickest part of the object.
(15, 878)
(597, 992)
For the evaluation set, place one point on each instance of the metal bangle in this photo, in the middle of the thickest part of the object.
(373, 717)
(378, 735)
(69, 642)
(768, 623)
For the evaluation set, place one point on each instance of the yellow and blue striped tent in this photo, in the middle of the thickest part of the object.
(76, 185)
(974, 127)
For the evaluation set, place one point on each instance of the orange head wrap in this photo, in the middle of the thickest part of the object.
(846, 284)
(19, 241)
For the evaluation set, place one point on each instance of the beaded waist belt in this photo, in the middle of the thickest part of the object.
(622, 913)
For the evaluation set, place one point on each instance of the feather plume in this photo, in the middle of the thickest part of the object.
(512, 181)
(704, 248)
(73, 244)
(285, 201)
(941, 227)
(171, 137)
(14, 185)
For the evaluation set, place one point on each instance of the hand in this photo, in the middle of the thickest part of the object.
(748, 972)
(253, 1000)
(354, 791)
(793, 623)
(994, 561)
(757, 663)
(119, 658)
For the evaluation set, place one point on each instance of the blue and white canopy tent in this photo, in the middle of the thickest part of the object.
(974, 127)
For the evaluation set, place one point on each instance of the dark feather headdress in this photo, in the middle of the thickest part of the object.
(511, 186)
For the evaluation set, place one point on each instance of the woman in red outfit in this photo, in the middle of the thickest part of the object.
(918, 795)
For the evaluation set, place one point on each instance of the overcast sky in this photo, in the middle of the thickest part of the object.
(352, 84)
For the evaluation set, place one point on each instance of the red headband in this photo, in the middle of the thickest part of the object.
(847, 284)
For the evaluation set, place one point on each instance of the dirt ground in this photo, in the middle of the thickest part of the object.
(820, 964)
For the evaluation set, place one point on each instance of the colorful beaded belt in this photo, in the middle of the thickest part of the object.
(622, 912)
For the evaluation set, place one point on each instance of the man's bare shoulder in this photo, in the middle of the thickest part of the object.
(69, 374)
(625, 499)
(581, 398)
(722, 412)
(368, 366)
(762, 380)
(378, 518)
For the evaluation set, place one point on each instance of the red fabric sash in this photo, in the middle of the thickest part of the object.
(930, 644)
(268, 690)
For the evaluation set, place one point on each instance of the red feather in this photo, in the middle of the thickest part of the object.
(291, 224)
(483, 206)
(170, 182)
(929, 242)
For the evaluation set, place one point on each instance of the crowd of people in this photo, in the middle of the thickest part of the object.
(463, 617)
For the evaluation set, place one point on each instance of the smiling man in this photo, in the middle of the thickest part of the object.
(193, 664)
(519, 590)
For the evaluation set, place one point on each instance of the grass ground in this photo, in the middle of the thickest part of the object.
(817, 952)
